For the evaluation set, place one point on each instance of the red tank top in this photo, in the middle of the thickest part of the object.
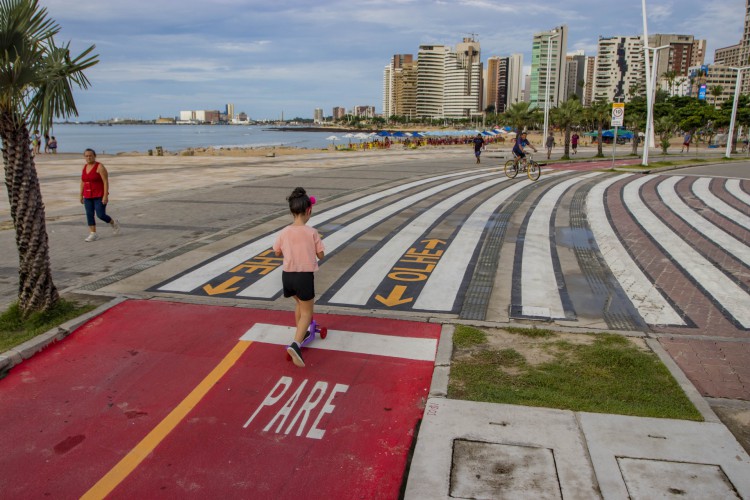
(93, 185)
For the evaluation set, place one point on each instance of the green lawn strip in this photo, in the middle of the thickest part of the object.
(15, 331)
(609, 375)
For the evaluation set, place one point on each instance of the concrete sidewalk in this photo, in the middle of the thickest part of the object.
(468, 449)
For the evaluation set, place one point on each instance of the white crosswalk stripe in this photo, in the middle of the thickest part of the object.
(734, 188)
(702, 191)
(360, 287)
(731, 297)
(713, 233)
(539, 288)
(645, 297)
(441, 289)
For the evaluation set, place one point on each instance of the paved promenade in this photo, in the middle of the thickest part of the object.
(177, 212)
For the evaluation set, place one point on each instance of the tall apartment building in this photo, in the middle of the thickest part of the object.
(492, 98)
(588, 86)
(737, 55)
(548, 46)
(400, 86)
(683, 52)
(318, 115)
(504, 81)
(728, 56)
(229, 112)
(718, 75)
(620, 69)
(576, 75)
(431, 60)
(514, 78)
(449, 83)
(463, 80)
(338, 112)
(699, 53)
(364, 111)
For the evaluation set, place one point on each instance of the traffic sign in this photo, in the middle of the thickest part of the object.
(618, 114)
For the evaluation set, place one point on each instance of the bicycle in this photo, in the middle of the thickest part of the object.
(526, 164)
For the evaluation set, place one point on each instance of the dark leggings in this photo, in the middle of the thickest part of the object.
(95, 205)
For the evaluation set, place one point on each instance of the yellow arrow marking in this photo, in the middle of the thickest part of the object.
(394, 298)
(433, 243)
(225, 287)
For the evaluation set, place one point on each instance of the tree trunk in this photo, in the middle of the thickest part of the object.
(36, 291)
(566, 154)
(599, 147)
(636, 139)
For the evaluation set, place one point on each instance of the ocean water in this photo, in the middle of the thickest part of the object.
(73, 138)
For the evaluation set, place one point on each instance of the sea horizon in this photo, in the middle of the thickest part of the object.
(139, 138)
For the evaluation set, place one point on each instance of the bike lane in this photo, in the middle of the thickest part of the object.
(164, 399)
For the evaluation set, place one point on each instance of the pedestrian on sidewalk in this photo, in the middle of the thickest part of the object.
(550, 144)
(478, 142)
(574, 142)
(95, 194)
(686, 142)
(301, 247)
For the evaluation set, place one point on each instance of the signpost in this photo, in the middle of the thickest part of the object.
(618, 119)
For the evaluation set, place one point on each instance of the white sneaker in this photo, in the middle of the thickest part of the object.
(115, 227)
(92, 237)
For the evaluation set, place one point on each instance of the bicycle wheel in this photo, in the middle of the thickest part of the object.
(511, 169)
(534, 170)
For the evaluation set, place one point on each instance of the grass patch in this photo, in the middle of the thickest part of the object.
(466, 336)
(14, 330)
(531, 332)
(605, 374)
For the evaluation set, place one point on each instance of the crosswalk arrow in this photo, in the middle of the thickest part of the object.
(394, 298)
(225, 287)
(431, 244)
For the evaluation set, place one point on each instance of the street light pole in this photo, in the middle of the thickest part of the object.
(546, 93)
(651, 96)
(647, 67)
(728, 152)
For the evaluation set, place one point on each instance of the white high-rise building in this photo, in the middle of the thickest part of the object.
(431, 61)
(620, 72)
(463, 81)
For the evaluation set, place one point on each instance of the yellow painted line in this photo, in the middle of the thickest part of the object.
(147, 445)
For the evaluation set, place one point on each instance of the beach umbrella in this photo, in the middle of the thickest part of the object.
(400, 134)
(384, 133)
(332, 138)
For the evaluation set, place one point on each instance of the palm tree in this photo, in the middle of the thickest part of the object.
(716, 92)
(36, 78)
(665, 126)
(519, 115)
(670, 76)
(566, 115)
(599, 113)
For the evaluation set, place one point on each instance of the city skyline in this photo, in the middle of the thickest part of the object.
(292, 57)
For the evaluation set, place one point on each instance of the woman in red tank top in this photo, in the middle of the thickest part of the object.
(95, 194)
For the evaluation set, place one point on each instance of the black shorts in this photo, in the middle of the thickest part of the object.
(300, 284)
(519, 153)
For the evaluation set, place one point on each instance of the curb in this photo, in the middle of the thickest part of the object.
(24, 351)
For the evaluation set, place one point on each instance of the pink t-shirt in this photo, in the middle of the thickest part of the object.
(299, 245)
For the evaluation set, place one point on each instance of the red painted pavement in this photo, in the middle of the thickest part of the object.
(71, 413)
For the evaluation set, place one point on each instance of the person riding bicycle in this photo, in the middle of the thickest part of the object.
(518, 148)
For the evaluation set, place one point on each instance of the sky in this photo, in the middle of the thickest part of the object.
(285, 58)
